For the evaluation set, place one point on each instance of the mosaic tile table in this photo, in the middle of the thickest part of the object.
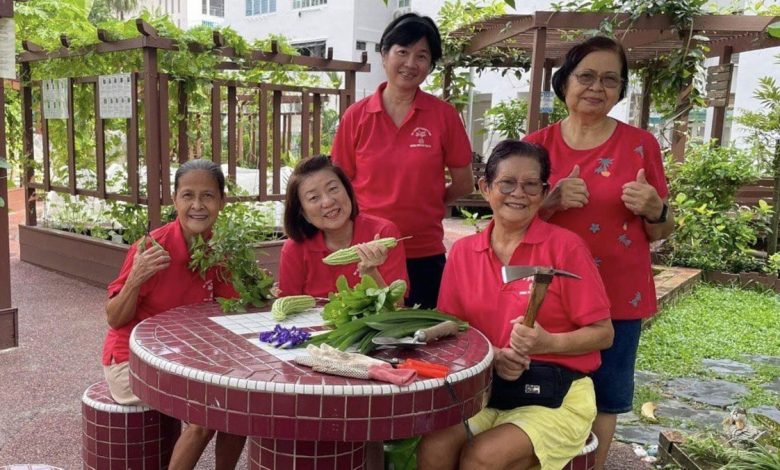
(195, 364)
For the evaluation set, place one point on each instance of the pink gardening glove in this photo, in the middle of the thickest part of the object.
(386, 373)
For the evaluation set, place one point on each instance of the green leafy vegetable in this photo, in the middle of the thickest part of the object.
(366, 298)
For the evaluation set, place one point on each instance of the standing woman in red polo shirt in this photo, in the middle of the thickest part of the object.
(517, 431)
(395, 146)
(157, 278)
(608, 187)
(320, 217)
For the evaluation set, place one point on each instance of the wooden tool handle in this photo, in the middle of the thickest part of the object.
(445, 328)
(538, 291)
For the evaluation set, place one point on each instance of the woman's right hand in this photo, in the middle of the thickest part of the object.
(568, 193)
(372, 255)
(510, 364)
(147, 263)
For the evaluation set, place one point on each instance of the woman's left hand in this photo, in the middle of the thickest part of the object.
(372, 255)
(527, 341)
(641, 198)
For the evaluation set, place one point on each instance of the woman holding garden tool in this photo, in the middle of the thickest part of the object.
(156, 277)
(321, 217)
(608, 186)
(519, 429)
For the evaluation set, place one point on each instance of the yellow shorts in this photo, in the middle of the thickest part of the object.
(558, 434)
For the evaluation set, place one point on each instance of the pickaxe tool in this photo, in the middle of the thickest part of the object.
(543, 276)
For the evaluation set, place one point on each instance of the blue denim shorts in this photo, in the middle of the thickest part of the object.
(614, 380)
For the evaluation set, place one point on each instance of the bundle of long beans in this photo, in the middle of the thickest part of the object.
(396, 324)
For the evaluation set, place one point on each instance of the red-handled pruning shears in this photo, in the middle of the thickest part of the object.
(423, 368)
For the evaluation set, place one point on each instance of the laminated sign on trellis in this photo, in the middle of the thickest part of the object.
(7, 48)
(55, 98)
(115, 93)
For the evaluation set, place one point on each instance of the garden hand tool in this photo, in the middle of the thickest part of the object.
(423, 368)
(543, 276)
(421, 337)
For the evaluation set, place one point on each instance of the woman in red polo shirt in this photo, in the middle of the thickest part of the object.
(395, 146)
(321, 217)
(609, 188)
(571, 328)
(157, 278)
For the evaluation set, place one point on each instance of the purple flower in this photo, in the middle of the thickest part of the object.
(282, 337)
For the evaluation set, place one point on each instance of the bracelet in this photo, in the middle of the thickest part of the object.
(662, 218)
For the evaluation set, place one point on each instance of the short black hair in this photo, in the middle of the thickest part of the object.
(295, 224)
(204, 165)
(578, 52)
(517, 148)
(408, 29)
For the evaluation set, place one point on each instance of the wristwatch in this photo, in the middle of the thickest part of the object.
(662, 218)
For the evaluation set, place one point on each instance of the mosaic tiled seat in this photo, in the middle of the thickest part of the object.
(124, 437)
(586, 459)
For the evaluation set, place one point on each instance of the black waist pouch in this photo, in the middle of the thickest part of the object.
(543, 384)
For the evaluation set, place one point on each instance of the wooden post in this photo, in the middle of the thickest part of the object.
(545, 117)
(644, 114)
(5, 251)
(680, 129)
(183, 142)
(537, 67)
(30, 216)
(152, 134)
(719, 111)
(216, 124)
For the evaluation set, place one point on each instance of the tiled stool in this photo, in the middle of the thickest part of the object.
(586, 459)
(124, 437)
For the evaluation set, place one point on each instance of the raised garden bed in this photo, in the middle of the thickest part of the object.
(96, 261)
(744, 279)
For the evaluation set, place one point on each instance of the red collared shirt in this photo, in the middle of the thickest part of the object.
(472, 289)
(301, 270)
(616, 237)
(398, 172)
(173, 287)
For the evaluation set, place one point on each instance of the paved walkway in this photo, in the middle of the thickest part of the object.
(62, 326)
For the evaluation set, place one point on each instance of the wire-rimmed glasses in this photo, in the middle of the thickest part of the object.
(608, 80)
(531, 188)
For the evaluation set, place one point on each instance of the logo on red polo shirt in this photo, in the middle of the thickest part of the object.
(421, 133)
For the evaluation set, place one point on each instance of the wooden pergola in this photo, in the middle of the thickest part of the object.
(546, 36)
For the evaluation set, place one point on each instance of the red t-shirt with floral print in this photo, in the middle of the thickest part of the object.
(615, 236)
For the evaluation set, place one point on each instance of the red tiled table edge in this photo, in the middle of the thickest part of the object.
(293, 403)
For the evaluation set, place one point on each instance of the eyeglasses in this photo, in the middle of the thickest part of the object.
(588, 78)
(531, 188)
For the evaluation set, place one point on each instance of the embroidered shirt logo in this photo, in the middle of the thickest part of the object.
(421, 134)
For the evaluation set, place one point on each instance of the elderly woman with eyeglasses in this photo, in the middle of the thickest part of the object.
(608, 186)
(518, 430)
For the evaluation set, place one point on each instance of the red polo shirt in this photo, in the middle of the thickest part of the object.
(173, 287)
(472, 289)
(398, 172)
(616, 237)
(301, 270)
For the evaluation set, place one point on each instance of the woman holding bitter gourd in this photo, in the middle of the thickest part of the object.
(321, 217)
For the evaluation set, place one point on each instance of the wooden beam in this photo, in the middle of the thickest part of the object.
(489, 37)
(152, 135)
(644, 114)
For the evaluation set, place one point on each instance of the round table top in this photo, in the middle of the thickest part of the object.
(207, 368)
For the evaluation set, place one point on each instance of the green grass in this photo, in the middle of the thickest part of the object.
(714, 323)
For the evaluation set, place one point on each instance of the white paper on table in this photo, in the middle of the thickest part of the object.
(7, 48)
(55, 98)
(115, 92)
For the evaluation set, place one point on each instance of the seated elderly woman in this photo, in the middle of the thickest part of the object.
(516, 430)
(320, 217)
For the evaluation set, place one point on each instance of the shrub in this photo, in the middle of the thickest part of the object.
(712, 231)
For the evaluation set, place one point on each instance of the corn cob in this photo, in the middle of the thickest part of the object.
(349, 255)
(284, 306)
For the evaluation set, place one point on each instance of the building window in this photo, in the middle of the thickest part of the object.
(214, 8)
(404, 3)
(312, 49)
(377, 48)
(260, 7)
(360, 45)
(308, 3)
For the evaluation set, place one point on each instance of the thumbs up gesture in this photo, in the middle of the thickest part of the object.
(641, 198)
(568, 193)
